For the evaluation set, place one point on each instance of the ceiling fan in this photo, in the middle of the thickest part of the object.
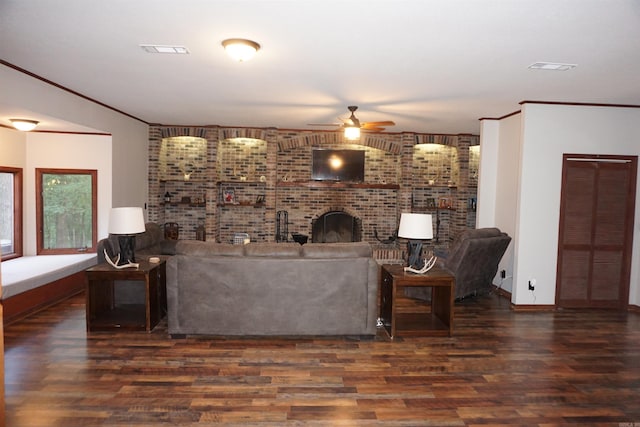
(352, 122)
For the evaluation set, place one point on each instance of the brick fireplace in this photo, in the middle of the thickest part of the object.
(336, 226)
(267, 170)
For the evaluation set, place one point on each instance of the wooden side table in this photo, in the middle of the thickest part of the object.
(439, 322)
(103, 310)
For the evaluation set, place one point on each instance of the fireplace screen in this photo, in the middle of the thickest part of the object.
(336, 226)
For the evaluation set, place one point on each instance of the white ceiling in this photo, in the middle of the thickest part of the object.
(433, 66)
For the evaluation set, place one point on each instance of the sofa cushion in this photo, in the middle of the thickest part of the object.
(337, 250)
(278, 250)
(200, 248)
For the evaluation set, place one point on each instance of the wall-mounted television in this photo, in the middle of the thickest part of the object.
(338, 165)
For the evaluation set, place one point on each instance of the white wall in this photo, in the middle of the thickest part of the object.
(487, 173)
(12, 148)
(130, 137)
(47, 150)
(68, 152)
(500, 149)
(547, 132)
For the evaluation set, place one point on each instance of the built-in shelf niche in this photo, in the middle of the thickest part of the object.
(183, 158)
(242, 159)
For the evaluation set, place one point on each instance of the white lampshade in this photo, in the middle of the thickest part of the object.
(240, 49)
(415, 226)
(126, 221)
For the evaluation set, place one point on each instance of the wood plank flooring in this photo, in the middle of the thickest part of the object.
(569, 367)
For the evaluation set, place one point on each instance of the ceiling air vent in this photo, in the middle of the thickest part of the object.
(154, 48)
(553, 66)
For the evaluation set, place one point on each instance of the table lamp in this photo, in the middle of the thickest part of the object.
(126, 223)
(416, 228)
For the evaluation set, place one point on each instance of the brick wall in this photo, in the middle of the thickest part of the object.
(402, 172)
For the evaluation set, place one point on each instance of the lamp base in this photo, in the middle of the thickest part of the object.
(127, 249)
(414, 249)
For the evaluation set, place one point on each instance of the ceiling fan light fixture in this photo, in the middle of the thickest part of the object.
(240, 49)
(24, 125)
(351, 132)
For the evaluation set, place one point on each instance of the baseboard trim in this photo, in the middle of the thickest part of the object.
(22, 305)
(501, 292)
(533, 307)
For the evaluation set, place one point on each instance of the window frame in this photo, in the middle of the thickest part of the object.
(41, 250)
(17, 212)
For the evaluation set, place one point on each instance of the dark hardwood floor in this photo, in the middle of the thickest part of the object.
(500, 368)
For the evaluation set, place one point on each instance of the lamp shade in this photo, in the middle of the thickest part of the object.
(126, 221)
(415, 226)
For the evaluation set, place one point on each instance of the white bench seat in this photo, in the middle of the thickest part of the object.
(29, 272)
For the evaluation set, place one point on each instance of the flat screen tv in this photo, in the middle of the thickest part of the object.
(338, 165)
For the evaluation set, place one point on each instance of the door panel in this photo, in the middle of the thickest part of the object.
(596, 229)
(574, 275)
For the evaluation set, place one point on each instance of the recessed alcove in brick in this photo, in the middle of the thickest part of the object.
(404, 172)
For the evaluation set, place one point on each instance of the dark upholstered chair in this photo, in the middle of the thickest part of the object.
(151, 242)
(473, 259)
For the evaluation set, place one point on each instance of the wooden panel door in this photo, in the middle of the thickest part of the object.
(596, 231)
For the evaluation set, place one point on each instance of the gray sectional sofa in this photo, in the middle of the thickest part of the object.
(263, 289)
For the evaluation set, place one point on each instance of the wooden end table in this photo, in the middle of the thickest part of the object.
(103, 310)
(439, 322)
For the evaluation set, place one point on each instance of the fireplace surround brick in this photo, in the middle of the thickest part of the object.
(403, 171)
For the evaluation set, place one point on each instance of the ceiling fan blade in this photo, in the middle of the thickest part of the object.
(382, 123)
(372, 129)
(324, 124)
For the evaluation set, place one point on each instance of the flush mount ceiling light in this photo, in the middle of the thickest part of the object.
(24, 125)
(155, 48)
(553, 66)
(240, 49)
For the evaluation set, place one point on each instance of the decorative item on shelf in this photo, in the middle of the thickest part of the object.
(185, 200)
(299, 238)
(260, 200)
(416, 228)
(126, 223)
(432, 182)
(263, 178)
(472, 204)
(444, 203)
(167, 197)
(431, 203)
(171, 231)
(388, 241)
(229, 196)
(241, 239)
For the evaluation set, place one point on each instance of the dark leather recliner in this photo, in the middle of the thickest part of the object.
(473, 259)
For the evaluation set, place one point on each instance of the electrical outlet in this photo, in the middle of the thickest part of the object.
(503, 274)
(532, 285)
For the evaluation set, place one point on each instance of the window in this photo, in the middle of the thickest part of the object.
(66, 210)
(10, 212)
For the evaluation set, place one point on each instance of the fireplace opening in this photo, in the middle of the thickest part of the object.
(335, 227)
